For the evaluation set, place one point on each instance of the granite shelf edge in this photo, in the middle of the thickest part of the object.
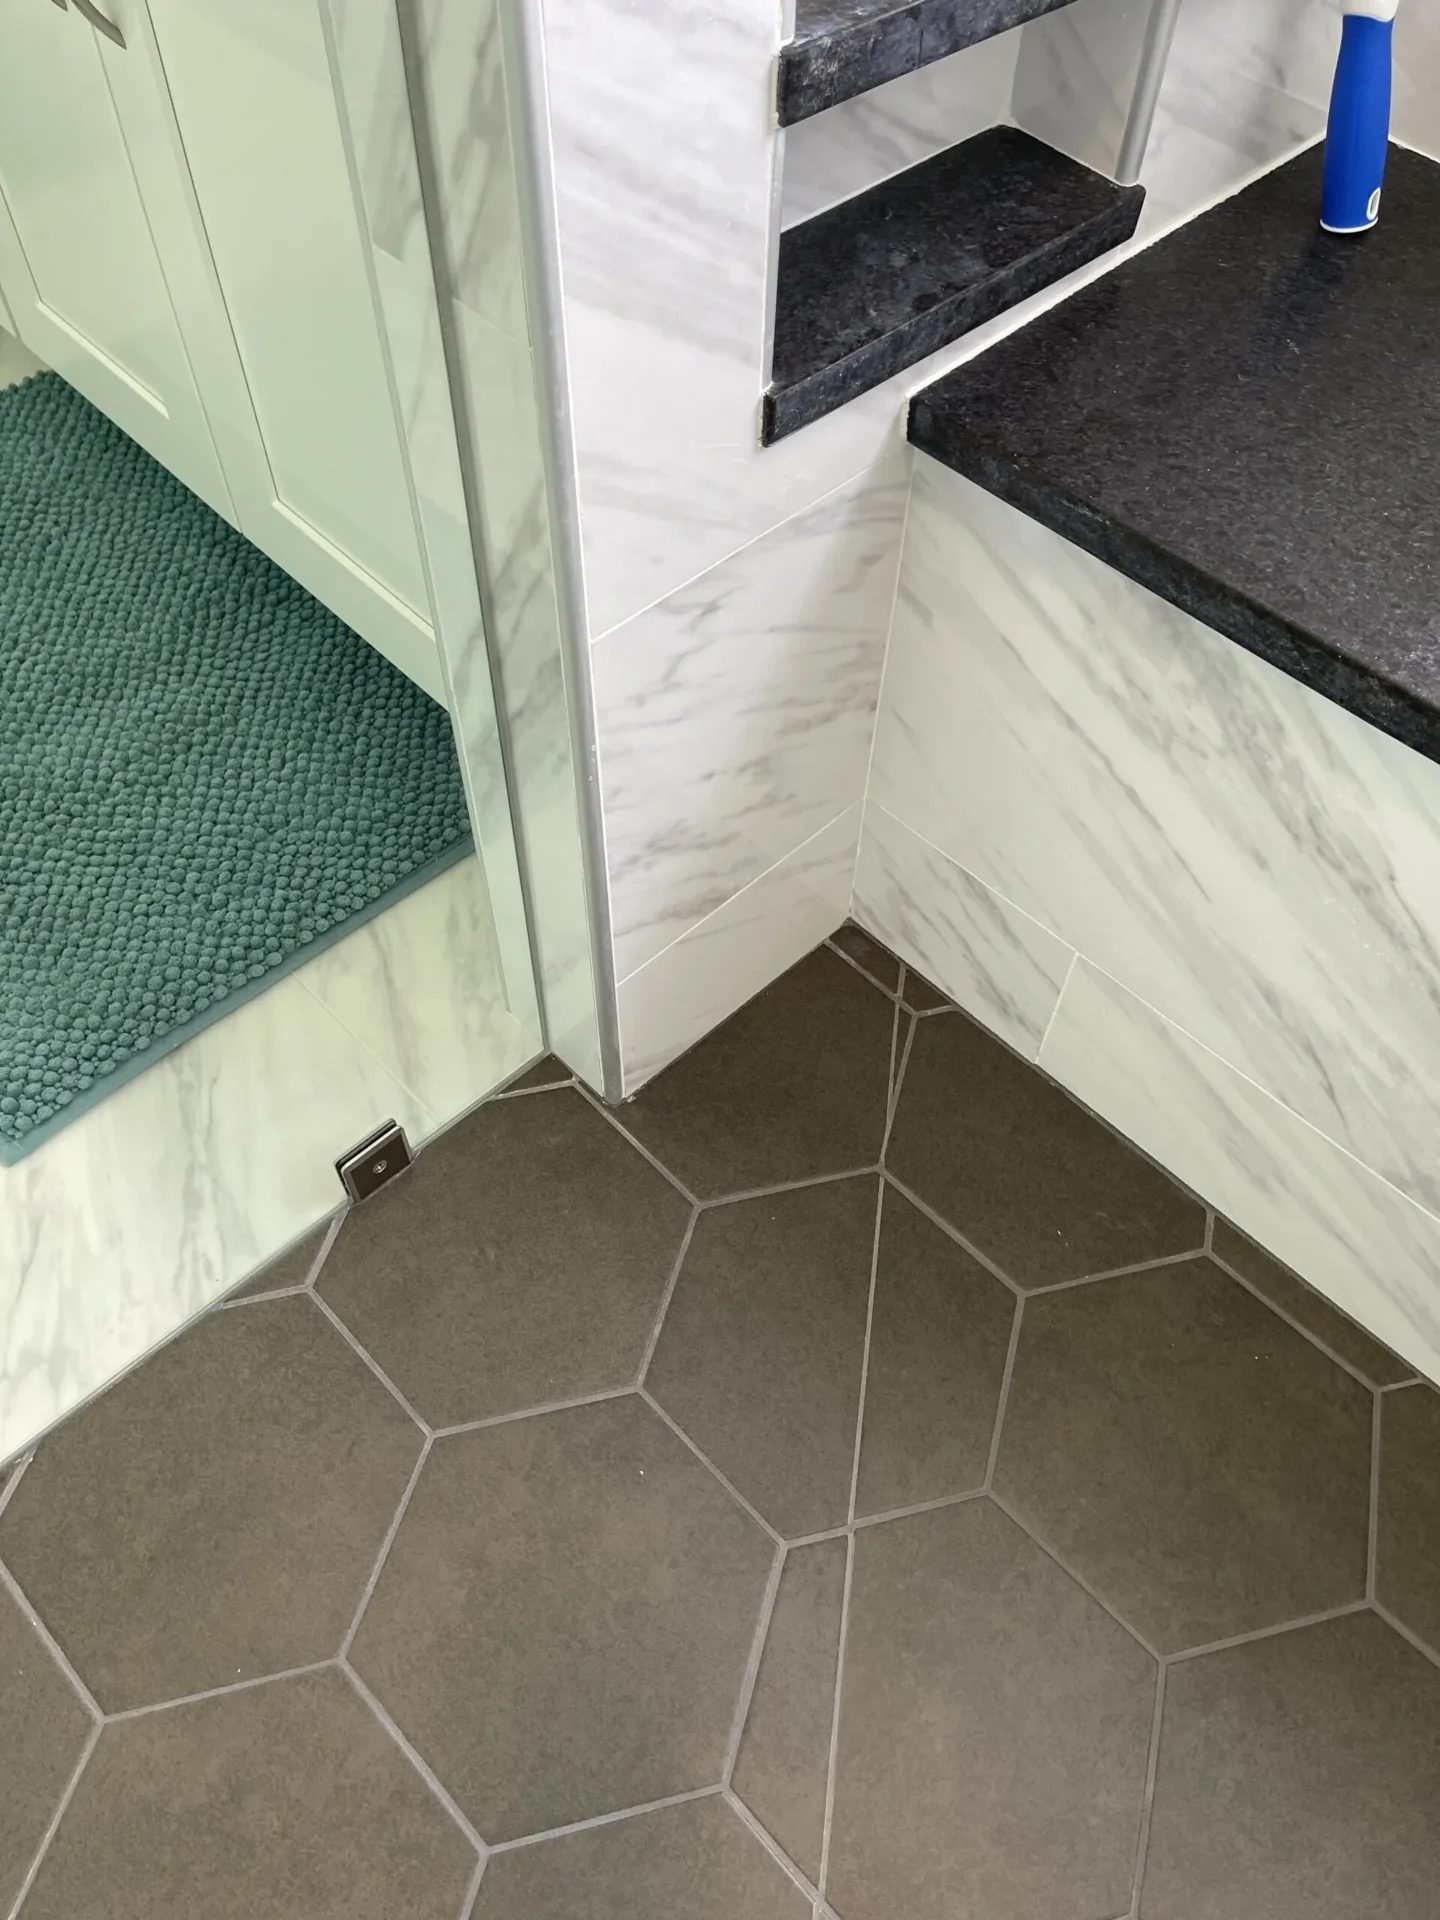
(851, 48)
(788, 406)
(1284, 644)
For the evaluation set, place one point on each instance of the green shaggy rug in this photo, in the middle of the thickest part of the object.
(205, 776)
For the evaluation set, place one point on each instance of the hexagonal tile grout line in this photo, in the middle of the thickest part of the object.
(612, 1119)
(828, 1825)
(771, 1533)
(1329, 1352)
(417, 1760)
(52, 1645)
(332, 1232)
(771, 1845)
(1372, 1538)
(865, 1356)
(1413, 1639)
(752, 1665)
(17, 1474)
(92, 1740)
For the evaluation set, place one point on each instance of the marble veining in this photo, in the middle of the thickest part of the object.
(734, 719)
(887, 278)
(699, 980)
(843, 47)
(121, 1227)
(992, 959)
(1245, 418)
(1241, 853)
(1370, 1249)
(419, 985)
(841, 153)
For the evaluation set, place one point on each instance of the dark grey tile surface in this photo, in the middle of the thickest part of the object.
(1198, 1461)
(42, 1733)
(692, 1862)
(286, 1800)
(547, 1072)
(885, 278)
(567, 1620)
(770, 1096)
(845, 47)
(784, 1756)
(918, 994)
(1312, 1310)
(216, 1515)
(563, 1625)
(292, 1269)
(939, 1336)
(763, 1344)
(1299, 1780)
(878, 962)
(1407, 1561)
(521, 1261)
(993, 1726)
(1178, 419)
(1028, 1177)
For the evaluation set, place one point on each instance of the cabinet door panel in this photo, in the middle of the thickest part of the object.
(320, 480)
(82, 274)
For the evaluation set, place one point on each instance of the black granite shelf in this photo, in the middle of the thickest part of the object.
(873, 285)
(1246, 419)
(845, 47)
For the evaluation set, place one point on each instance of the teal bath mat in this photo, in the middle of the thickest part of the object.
(205, 776)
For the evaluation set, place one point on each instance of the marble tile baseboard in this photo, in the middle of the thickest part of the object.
(735, 718)
(1235, 849)
(990, 958)
(1355, 1238)
(675, 999)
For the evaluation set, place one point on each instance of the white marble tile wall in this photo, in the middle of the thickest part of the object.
(120, 1228)
(469, 136)
(1318, 1208)
(848, 148)
(699, 980)
(735, 716)
(994, 960)
(1251, 860)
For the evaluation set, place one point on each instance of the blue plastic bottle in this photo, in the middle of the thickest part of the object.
(1357, 141)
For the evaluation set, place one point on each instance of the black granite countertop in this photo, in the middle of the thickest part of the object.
(1246, 419)
(845, 47)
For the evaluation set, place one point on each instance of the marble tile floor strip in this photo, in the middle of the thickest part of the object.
(848, 1480)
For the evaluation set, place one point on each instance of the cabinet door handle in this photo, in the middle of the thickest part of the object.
(97, 20)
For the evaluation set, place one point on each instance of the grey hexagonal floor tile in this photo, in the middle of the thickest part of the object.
(994, 1731)
(565, 1620)
(521, 1261)
(43, 1729)
(1299, 1779)
(287, 1800)
(217, 1513)
(1407, 1561)
(1198, 1461)
(1031, 1179)
(784, 1757)
(698, 1861)
(770, 1097)
(761, 1355)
